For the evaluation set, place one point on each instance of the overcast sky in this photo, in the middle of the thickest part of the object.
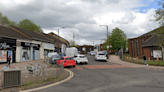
(83, 17)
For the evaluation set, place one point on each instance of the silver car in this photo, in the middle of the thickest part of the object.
(92, 53)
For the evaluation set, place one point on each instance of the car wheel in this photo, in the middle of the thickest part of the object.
(74, 66)
(86, 62)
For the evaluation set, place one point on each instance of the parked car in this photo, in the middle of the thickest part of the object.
(53, 57)
(106, 53)
(67, 61)
(80, 59)
(92, 53)
(100, 56)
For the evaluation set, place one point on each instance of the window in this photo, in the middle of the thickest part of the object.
(62, 59)
(101, 54)
(82, 56)
(68, 58)
(137, 48)
(132, 49)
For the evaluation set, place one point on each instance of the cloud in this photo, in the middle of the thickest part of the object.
(83, 17)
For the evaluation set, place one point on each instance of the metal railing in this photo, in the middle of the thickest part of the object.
(47, 73)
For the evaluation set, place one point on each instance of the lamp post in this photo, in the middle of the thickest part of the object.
(108, 42)
(58, 37)
(73, 38)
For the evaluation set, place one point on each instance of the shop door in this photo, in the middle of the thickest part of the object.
(9, 53)
(13, 56)
(33, 55)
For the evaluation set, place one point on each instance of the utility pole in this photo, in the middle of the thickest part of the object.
(58, 37)
(73, 40)
(108, 43)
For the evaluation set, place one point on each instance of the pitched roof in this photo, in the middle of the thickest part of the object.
(33, 35)
(10, 33)
(55, 39)
(152, 41)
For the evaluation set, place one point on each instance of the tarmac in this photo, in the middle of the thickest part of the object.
(116, 59)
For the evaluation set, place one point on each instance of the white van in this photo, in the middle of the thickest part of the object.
(71, 51)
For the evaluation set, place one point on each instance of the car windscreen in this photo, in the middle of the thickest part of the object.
(93, 52)
(68, 58)
(82, 56)
(55, 56)
(101, 54)
(105, 52)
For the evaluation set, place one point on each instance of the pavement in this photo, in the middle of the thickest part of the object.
(116, 59)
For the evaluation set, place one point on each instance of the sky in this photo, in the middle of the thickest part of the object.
(84, 17)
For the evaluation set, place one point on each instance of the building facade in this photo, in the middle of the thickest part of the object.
(145, 44)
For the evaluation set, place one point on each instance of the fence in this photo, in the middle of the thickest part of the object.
(44, 72)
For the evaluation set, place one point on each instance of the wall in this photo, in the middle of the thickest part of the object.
(133, 45)
(146, 52)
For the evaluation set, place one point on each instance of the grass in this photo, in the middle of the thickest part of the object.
(140, 61)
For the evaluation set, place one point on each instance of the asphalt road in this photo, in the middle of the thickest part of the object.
(100, 76)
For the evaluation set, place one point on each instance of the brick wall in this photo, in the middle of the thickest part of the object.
(133, 45)
(146, 51)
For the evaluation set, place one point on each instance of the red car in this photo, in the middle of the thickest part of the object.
(67, 61)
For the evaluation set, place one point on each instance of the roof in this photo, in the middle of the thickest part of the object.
(152, 41)
(33, 35)
(151, 32)
(51, 37)
(10, 33)
(51, 33)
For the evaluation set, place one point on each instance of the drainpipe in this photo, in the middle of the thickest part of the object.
(162, 52)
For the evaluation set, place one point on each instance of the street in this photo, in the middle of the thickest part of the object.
(101, 76)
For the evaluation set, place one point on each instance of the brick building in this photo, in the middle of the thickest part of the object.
(85, 48)
(145, 44)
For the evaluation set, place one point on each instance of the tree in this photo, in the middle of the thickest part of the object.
(4, 21)
(159, 17)
(29, 25)
(118, 39)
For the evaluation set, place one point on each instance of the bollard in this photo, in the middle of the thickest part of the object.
(148, 58)
(157, 58)
(136, 58)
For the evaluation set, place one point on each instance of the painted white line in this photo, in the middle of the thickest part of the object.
(71, 76)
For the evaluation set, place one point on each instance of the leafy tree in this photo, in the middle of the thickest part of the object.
(159, 17)
(118, 39)
(29, 25)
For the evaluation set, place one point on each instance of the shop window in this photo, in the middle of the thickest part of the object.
(3, 55)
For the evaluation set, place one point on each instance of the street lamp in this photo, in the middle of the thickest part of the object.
(108, 42)
(73, 38)
(58, 36)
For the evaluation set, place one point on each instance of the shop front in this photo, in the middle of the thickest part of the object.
(48, 48)
(7, 48)
(30, 51)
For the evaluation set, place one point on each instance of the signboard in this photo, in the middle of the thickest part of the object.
(29, 44)
(4, 45)
(49, 46)
(7, 44)
(157, 53)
